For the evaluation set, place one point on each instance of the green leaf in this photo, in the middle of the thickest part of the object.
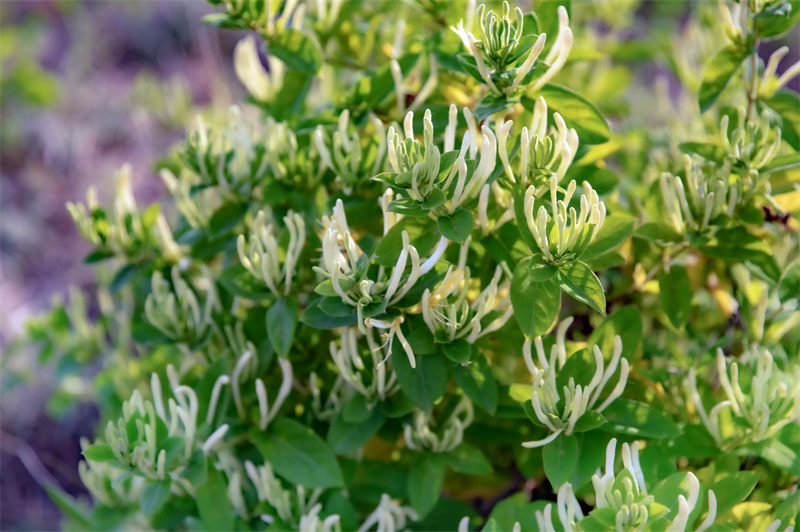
(516, 508)
(781, 163)
(459, 350)
(281, 323)
(424, 384)
(98, 452)
(226, 218)
(719, 72)
(345, 437)
(676, 294)
(710, 152)
(490, 104)
(577, 111)
(421, 234)
(590, 420)
(560, 457)
(789, 287)
(295, 49)
(786, 104)
(477, 381)
(382, 83)
(289, 101)
(239, 282)
(616, 230)
(155, 495)
(659, 233)
(456, 226)
(777, 20)
(124, 275)
(638, 419)
(213, 504)
(298, 454)
(469, 460)
(577, 280)
(314, 316)
(425, 481)
(222, 20)
(536, 304)
(734, 488)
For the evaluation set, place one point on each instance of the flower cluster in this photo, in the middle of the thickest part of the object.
(578, 399)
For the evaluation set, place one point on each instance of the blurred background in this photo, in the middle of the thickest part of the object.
(86, 86)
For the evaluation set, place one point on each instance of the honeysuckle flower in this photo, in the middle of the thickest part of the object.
(262, 85)
(772, 401)
(496, 49)
(709, 196)
(457, 317)
(567, 507)
(260, 254)
(573, 232)
(345, 155)
(578, 399)
(542, 154)
(626, 493)
(393, 331)
(421, 436)
(751, 145)
(295, 507)
(389, 516)
(327, 12)
(352, 369)
(175, 311)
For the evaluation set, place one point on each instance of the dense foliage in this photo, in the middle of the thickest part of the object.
(417, 281)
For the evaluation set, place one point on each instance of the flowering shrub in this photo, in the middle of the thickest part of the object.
(408, 286)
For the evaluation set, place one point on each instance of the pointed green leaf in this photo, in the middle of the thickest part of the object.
(719, 72)
(536, 304)
(676, 294)
(298, 454)
(477, 381)
(577, 280)
(456, 226)
(281, 323)
(560, 457)
(297, 50)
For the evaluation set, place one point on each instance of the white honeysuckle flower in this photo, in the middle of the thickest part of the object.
(751, 145)
(267, 414)
(175, 310)
(773, 400)
(262, 85)
(421, 436)
(632, 502)
(291, 506)
(260, 254)
(352, 369)
(327, 12)
(568, 509)
(389, 516)
(345, 154)
(196, 206)
(573, 230)
(170, 249)
(292, 13)
(561, 417)
(393, 330)
(499, 38)
(542, 154)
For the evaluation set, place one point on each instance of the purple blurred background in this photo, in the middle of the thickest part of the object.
(86, 87)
